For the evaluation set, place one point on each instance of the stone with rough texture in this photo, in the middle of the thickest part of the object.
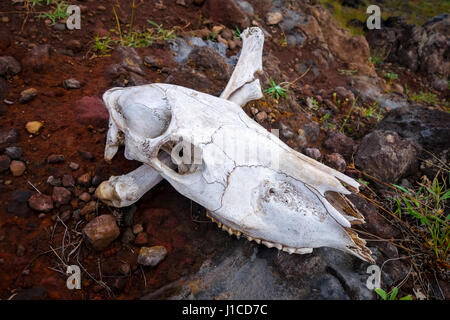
(14, 153)
(419, 48)
(336, 161)
(274, 17)
(71, 84)
(9, 136)
(9, 66)
(41, 202)
(387, 156)
(56, 158)
(151, 257)
(90, 207)
(28, 95)
(101, 231)
(55, 182)
(337, 142)
(68, 180)
(91, 110)
(429, 128)
(313, 153)
(61, 195)
(17, 168)
(84, 180)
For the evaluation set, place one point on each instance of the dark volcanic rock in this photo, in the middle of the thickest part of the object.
(14, 153)
(386, 156)
(35, 293)
(9, 65)
(18, 203)
(86, 155)
(8, 137)
(311, 131)
(429, 128)
(336, 161)
(337, 142)
(313, 153)
(206, 59)
(56, 158)
(419, 48)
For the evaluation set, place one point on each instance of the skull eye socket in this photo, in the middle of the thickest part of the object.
(185, 156)
(145, 121)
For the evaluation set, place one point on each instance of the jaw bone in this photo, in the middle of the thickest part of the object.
(289, 201)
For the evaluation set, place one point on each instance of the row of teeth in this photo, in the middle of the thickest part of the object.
(268, 244)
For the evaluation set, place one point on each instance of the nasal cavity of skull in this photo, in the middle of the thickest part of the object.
(147, 121)
(184, 155)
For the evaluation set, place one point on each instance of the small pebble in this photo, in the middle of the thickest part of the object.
(124, 269)
(85, 196)
(84, 179)
(152, 256)
(68, 180)
(74, 166)
(71, 84)
(138, 228)
(28, 95)
(17, 168)
(34, 127)
(56, 158)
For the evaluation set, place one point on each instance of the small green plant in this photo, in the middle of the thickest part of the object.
(275, 90)
(102, 45)
(283, 41)
(428, 208)
(375, 60)
(347, 72)
(314, 103)
(132, 38)
(363, 182)
(369, 112)
(212, 37)
(237, 33)
(385, 296)
(379, 115)
(348, 115)
(326, 123)
(391, 77)
(325, 117)
(58, 12)
(427, 97)
(406, 89)
(161, 33)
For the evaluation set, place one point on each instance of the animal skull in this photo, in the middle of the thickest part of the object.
(250, 182)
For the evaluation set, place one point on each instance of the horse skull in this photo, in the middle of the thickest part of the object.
(251, 183)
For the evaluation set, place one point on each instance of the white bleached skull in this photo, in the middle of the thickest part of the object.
(250, 182)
